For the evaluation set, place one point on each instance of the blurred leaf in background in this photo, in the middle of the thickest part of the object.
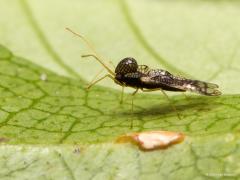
(51, 127)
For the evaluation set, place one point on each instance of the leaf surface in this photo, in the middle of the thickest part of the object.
(54, 120)
(52, 128)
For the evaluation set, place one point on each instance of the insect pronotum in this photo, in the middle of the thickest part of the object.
(140, 77)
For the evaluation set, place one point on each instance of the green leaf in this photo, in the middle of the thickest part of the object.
(52, 128)
(53, 125)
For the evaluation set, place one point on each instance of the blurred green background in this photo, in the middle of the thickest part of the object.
(197, 39)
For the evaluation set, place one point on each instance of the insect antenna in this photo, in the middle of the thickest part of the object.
(95, 54)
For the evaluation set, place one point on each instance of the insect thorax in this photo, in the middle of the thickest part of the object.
(127, 72)
(130, 79)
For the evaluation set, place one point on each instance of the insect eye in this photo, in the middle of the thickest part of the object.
(126, 65)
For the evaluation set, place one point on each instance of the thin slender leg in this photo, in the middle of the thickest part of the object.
(133, 94)
(172, 105)
(93, 83)
(169, 100)
(97, 58)
(100, 61)
(121, 100)
(95, 77)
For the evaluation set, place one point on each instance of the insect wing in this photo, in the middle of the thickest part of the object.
(161, 77)
(201, 87)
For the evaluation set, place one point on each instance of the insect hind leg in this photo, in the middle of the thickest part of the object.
(172, 105)
(167, 97)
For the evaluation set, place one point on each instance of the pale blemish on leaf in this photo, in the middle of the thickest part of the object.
(152, 140)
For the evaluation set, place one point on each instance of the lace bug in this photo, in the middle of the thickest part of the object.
(140, 77)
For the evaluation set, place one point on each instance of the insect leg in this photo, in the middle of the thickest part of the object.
(173, 107)
(99, 60)
(169, 100)
(95, 77)
(93, 83)
(121, 100)
(133, 94)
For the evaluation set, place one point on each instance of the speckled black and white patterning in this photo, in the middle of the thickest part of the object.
(129, 73)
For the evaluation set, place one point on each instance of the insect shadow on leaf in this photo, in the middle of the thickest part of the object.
(140, 77)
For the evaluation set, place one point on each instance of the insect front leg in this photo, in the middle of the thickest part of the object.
(100, 61)
(95, 82)
(95, 77)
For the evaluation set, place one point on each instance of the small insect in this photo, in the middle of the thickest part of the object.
(140, 77)
(152, 140)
